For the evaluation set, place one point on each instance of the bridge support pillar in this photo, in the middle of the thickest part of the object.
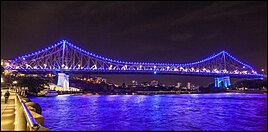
(63, 80)
(222, 82)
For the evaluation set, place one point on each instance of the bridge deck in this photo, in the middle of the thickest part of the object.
(142, 73)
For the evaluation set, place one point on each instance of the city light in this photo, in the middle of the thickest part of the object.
(2, 80)
(262, 71)
(14, 82)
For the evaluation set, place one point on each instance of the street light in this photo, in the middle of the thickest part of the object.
(262, 71)
(14, 82)
(2, 80)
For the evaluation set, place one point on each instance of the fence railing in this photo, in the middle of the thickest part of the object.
(24, 120)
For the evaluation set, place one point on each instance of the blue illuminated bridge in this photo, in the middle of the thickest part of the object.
(65, 57)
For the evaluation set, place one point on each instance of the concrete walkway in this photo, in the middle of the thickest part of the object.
(8, 112)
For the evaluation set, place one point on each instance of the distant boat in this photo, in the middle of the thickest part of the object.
(50, 93)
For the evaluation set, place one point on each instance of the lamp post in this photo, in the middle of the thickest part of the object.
(262, 71)
(2, 81)
(14, 83)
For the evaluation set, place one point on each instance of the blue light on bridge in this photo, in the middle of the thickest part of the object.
(173, 67)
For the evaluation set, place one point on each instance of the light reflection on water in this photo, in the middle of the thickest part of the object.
(158, 112)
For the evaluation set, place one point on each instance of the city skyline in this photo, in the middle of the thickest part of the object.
(173, 32)
(138, 82)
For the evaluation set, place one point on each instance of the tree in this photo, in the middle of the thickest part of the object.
(2, 69)
(123, 85)
(34, 84)
(8, 80)
(256, 83)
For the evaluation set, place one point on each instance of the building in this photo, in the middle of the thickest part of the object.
(145, 84)
(188, 85)
(154, 83)
(100, 79)
(134, 83)
(178, 85)
(104, 80)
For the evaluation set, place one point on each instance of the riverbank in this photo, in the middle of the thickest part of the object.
(12, 117)
(240, 91)
(42, 94)
(169, 92)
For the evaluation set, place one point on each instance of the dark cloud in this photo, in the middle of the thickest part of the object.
(176, 32)
(181, 37)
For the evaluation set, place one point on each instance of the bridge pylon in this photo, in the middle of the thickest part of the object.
(63, 80)
(222, 82)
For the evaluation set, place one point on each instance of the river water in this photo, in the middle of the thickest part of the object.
(221, 111)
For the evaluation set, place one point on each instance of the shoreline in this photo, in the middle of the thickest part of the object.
(153, 93)
(242, 92)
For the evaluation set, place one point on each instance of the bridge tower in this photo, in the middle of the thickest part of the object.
(222, 82)
(63, 80)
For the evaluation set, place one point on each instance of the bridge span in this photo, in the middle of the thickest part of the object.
(65, 57)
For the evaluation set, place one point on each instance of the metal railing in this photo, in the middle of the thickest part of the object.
(24, 119)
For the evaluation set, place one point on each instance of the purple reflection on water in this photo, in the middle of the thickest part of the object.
(158, 112)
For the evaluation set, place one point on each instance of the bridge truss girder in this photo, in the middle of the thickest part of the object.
(65, 56)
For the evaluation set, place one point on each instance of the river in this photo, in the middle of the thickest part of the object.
(201, 112)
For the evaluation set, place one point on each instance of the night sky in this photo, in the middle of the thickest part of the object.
(174, 32)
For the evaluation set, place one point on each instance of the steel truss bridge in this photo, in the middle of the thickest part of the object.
(67, 57)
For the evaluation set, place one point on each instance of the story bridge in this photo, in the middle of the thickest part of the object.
(65, 57)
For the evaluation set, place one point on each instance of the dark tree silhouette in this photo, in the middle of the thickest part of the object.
(2, 69)
(34, 84)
